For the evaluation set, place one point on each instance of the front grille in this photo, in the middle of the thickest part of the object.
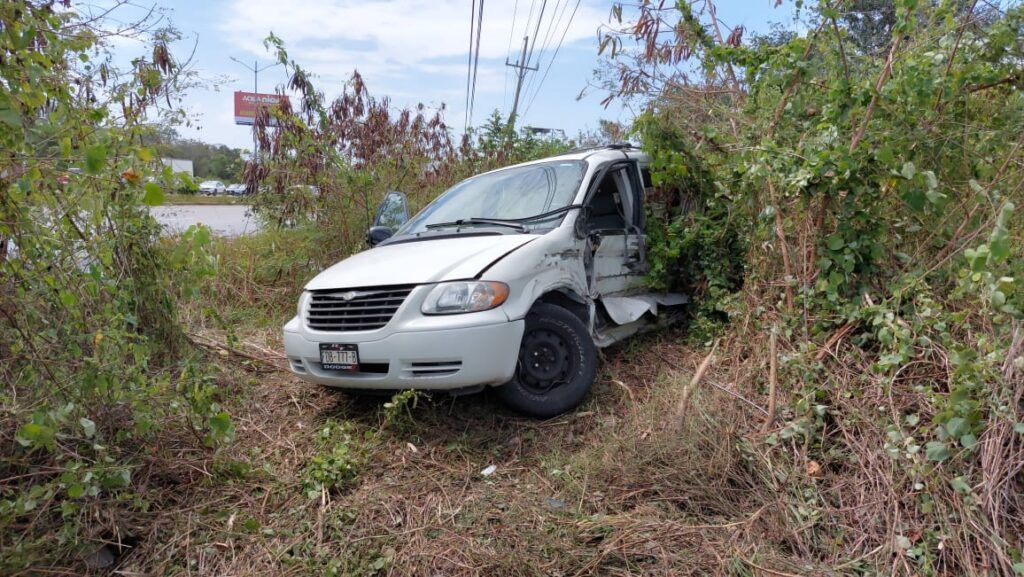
(359, 309)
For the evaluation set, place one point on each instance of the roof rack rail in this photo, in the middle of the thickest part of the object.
(611, 145)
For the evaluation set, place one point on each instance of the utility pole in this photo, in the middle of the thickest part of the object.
(255, 69)
(521, 67)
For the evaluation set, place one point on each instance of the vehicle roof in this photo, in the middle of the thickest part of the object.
(594, 154)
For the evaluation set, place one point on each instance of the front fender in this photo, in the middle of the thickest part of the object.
(553, 263)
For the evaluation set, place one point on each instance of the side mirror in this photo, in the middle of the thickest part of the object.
(378, 234)
(393, 211)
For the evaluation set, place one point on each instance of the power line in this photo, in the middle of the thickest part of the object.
(553, 56)
(469, 65)
(476, 58)
(536, 30)
(548, 35)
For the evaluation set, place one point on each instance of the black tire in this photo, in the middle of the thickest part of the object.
(565, 367)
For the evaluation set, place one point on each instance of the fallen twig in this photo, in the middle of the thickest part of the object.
(832, 341)
(209, 344)
(684, 400)
(773, 371)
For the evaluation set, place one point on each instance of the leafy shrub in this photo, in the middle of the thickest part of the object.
(871, 195)
(95, 366)
(337, 462)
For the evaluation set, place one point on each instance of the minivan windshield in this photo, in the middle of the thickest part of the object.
(511, 193)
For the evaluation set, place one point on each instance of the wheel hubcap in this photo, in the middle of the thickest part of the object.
(544, 361)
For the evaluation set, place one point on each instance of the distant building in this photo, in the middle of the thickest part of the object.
(179, 165)
(548, 132)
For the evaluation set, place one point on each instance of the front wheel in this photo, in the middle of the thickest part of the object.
(556, 367)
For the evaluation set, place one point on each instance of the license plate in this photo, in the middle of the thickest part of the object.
(339, 357)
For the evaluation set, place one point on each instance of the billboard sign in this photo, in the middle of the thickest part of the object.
(248, 104)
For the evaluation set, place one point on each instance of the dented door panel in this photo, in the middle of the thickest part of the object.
(611, 275)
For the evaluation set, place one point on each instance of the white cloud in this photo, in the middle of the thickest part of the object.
(388, 40)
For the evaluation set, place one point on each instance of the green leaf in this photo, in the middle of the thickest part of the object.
(968, 441)
(117, 480)
(154, 195)
(934, 196)
(933, 182)
(997, 299)
(957, 426)
(95, 158)
(10, 117)
(960, 486)
(88, 427)
(916, 199)
(909, 170)
(936, 451)
(67, 298)
(885, 156)
(220, 427)
(835, 242)
(1019, 428)
(76, 490)
(999, 245)
(34, 435)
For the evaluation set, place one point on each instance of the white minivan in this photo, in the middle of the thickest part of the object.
(510, 279)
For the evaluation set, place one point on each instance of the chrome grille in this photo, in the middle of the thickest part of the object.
(358, 309)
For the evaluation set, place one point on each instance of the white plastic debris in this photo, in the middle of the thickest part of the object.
(489, 470)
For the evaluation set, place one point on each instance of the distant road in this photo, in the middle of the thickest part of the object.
(223, 219)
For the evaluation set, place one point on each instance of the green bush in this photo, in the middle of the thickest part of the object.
(94, 364)
(863, 203)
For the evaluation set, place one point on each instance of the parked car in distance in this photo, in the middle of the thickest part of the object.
(236, 189)
(212, 187)
(510, 279)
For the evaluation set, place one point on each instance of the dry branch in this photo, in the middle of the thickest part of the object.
(773, 370)
(684, 400)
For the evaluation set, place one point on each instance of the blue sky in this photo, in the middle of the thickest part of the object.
(410, 50)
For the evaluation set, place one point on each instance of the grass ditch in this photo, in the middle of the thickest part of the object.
(325, 483)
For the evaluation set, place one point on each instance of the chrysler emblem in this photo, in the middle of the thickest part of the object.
(349, 295)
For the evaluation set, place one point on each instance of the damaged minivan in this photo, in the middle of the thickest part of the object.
(510, 279)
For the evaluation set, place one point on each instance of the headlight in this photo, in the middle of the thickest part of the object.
(302, 303)
(464, 297)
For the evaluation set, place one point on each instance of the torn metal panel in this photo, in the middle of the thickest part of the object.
(625, 310)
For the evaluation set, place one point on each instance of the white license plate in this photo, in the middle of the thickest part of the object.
(339, 357)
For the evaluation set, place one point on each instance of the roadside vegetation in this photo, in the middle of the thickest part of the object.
(209, 161)
(846, 398)
(177, 198)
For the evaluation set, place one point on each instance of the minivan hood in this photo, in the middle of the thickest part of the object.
(419, 262)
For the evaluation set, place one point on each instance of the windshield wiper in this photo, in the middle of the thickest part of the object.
(510, 222)
(540, 216)
(472, 221)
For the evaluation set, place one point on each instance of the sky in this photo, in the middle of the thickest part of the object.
(413, 51)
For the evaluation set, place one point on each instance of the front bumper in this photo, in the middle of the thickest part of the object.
(438, 359)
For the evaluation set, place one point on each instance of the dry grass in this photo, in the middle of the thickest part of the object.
(619, 487)
(605, 490)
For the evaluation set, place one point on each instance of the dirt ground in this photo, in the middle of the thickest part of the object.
(458, 486)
